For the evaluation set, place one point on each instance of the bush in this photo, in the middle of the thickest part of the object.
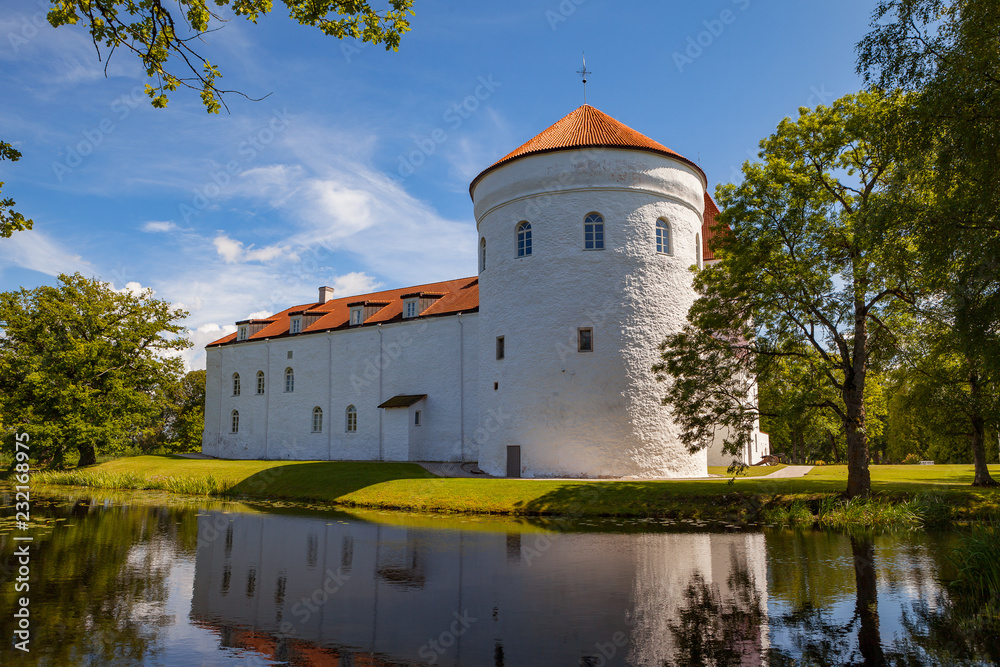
(819, 463)
(911, 459)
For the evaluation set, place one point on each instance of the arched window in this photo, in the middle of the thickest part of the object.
(289, 380)
(352, 419)
(260, 382)
(236, 384)
(482, 255)
(317, 419)
(524, 239)
(593, 232)
(697, 249)
(662, 237)
(235, 422)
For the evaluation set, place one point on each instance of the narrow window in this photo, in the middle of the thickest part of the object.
(482, 255)
(296, 325)
(260, 382)
(500, 347)
(593, 232)
(242, 333)
(416, 418)
(662, 237)
(524, 239)
(236, 384)
(317, 419)
(236, 422)
(697, 249)
(411, 308)
(289, 354)
(585, 340)
(289, 380)
(352, 419)
(356, 316)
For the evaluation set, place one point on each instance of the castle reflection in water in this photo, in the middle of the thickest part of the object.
(330, 591)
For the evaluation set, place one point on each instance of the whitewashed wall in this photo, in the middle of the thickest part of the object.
(437, 356)
(579, 414)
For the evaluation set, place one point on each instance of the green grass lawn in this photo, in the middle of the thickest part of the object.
(409, 487)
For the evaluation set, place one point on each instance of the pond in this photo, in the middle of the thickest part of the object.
(153, 579)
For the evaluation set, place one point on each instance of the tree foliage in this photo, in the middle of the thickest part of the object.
(812, 269)
(80, 364)
(162, 38)
(946, 53)
(181, 419)
(10, 221)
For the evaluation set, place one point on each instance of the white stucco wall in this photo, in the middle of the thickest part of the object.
(595, 414)
(363, 366)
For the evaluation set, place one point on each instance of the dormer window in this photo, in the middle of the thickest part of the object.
(411, 308)
(356, 316)
(415, 303)
(241, 332)
(296, 325)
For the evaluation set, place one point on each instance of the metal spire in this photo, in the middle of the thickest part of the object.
(583, 73)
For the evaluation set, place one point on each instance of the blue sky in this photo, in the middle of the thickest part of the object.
(354, 171)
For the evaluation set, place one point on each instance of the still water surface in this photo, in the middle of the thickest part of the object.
(150, 579)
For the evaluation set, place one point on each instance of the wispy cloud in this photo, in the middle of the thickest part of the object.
(159, 226)
(35, 250)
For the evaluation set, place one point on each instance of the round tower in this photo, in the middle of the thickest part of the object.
(587, 234)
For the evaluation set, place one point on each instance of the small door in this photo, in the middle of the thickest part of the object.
(513, 461)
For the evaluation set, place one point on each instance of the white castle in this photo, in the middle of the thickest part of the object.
(538, 367)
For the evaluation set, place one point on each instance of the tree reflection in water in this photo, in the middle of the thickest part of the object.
(711, 630)
(97, 585)
(724, 630)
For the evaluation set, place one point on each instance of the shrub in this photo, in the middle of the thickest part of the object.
(819, 463)
(911, 459)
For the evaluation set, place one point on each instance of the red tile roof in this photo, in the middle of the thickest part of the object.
(586, 127)
(460, 296)
(707, 233)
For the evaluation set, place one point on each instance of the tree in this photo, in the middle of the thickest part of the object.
(10, 221)
(946, 53)
(80, 364)
(181, 416)
(162, 40)
(811, 269)
(947, 381)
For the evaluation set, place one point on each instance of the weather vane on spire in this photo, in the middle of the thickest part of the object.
(583, 73)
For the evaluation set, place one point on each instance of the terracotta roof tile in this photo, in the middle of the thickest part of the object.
(707, 232)
(585, 127)
(459, 296)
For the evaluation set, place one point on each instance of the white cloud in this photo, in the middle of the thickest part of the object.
(194, 356)
(233, 251)
(33, 249)
(353, 283)
(135, 289)
(159, 226)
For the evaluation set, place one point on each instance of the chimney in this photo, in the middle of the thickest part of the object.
(325, 294)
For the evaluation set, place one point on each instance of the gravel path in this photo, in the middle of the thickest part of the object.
(788, 471)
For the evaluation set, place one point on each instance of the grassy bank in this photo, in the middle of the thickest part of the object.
(904, 495)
